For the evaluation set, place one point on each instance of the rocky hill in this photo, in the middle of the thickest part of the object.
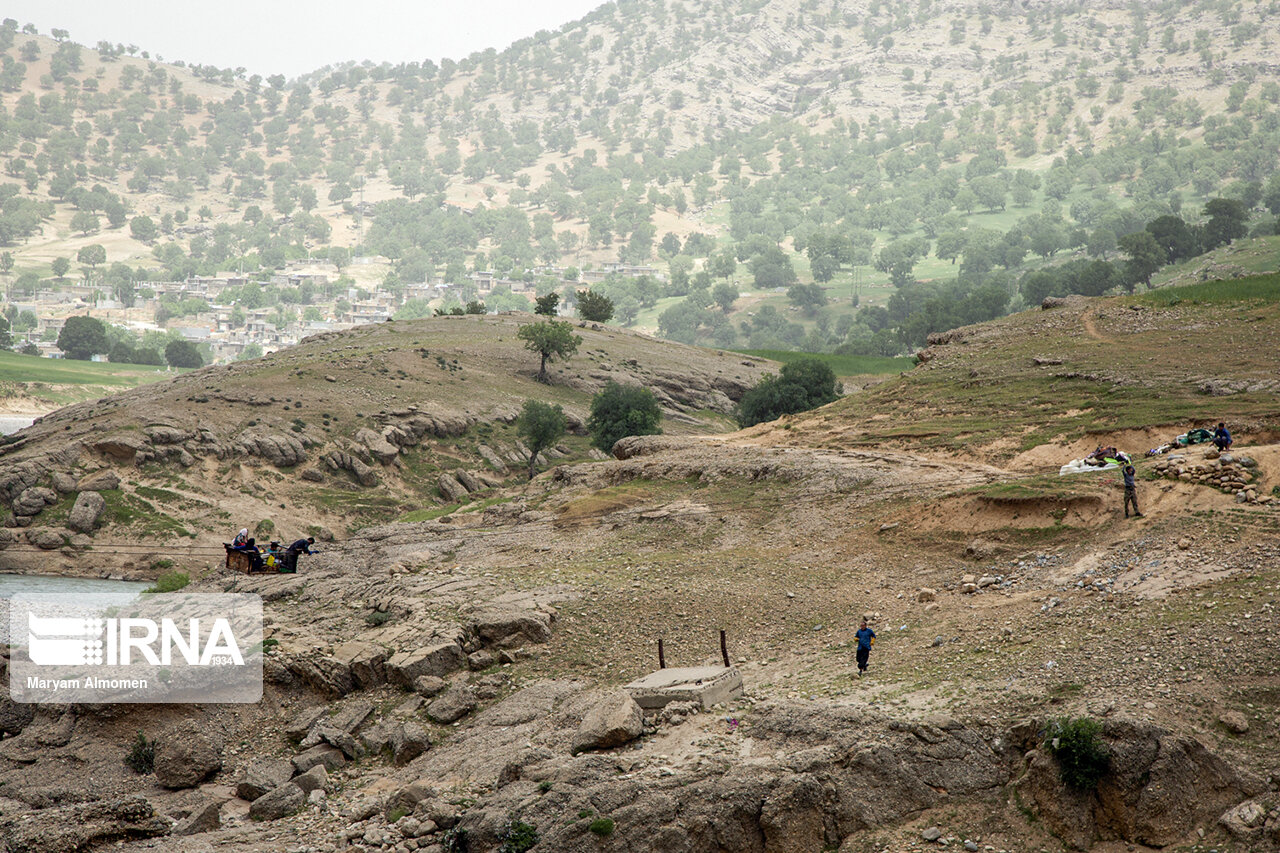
(459, 676)
(345, 429)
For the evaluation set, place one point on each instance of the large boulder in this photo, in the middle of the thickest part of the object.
(185, 757)
(324, 674)
(439, 660)
(327, 729)
(384, 451)
(86, 512)
(32, 501)
(48, 538)
(331, 757)
(99, 481)
(263, 776)
(450, 489)
(281, 450)
(280, 802)
(615, 720)
(510, 628)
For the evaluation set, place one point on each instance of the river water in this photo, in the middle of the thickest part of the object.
(10, 424)
(11, 584)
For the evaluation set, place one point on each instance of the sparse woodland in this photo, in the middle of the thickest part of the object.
(894, 169)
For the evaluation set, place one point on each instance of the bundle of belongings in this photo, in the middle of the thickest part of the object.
(1101, 459)
(1195, 436)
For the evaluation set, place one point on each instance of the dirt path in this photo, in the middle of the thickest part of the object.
(1087, 317)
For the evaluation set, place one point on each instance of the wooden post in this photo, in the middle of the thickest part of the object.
(724, 649)
(662, 659)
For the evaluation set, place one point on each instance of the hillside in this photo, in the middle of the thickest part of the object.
(341, 431)
(848, 146)
(1004, 598)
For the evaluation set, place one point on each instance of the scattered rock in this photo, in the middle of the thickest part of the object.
(452, 705)
(926, 594)
(278, 803)
(615, 720)
(185, 757)
(263, 776)
(482, 659)
(1245, 820)
(429, 685)
(317, 778)
(206, 818)
(1234, 722)
(931, 834)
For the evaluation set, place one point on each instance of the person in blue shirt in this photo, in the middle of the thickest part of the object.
(1222, 438)
(865, 638)
(1130, 492)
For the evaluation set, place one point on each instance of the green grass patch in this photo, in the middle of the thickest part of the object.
(169, 582)
(841, 365)
(1047, 487)
(1263, 289)
(60, 371)
(430, 513)
(126, 510)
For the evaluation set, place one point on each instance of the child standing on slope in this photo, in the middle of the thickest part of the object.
(865, 638)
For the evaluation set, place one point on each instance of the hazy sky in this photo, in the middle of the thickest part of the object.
(291, 37)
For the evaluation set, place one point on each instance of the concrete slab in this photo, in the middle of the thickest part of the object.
(708, 685)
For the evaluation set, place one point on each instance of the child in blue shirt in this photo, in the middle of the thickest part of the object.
(865, 638)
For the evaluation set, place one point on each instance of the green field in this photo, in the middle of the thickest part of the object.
(62, 382)
(57, 371)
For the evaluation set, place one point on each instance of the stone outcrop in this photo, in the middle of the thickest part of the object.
(32, 501)
(86, 511)
(280, 450)
(510, 628)
(1160, 786)
(82, 827)
(441, 659)
(341, 460)
(453, 704)
(450, 489)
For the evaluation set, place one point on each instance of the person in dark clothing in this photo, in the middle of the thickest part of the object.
(255, 556)
(301, 546)
(1222, 438)
(1130, 492)
(865, 638)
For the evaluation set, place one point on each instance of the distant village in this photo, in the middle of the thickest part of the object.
(222, 336)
